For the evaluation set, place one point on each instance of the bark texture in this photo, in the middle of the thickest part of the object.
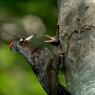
(77, 35)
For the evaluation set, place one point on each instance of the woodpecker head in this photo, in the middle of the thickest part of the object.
(24, 42)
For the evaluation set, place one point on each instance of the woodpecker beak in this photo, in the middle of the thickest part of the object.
(30, 37)
(52, 40)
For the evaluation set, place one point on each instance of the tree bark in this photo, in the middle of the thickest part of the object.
(77, 35)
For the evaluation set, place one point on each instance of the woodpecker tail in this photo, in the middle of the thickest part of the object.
(62, 90)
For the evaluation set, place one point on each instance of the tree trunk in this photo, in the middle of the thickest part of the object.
(77, 35)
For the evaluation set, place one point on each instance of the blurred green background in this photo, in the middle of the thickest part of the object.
(20, 18)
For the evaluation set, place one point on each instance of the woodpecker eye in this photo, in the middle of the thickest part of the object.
(22, 39)
(23, 42)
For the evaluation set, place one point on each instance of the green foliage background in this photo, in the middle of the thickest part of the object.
(16, 76)
(45, 9)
